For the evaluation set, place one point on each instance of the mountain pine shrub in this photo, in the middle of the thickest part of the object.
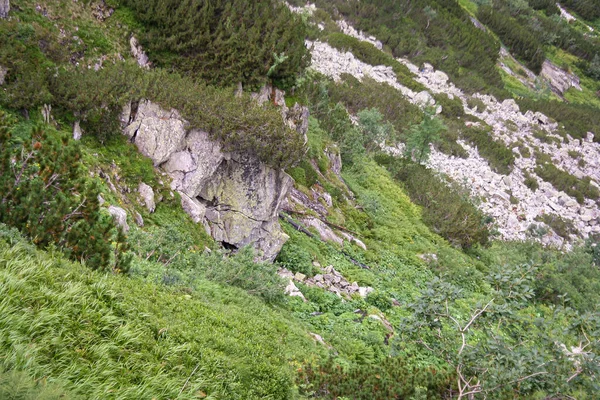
(45, 194)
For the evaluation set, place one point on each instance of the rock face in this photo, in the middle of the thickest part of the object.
(560, 80)
(4, 8)
(235, 196)
(120, 217)
(138, 53)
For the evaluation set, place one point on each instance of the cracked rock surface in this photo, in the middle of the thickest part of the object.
(234, 196)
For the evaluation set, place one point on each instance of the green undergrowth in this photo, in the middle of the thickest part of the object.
(110, 336)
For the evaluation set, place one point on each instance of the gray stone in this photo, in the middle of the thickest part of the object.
(559, 80)
(285, 273)
(139, 220)
(424, 99)
(318, 278)
(147, 195)
(365, 291)
(3, 73)
(120, 217)
(193, 208)
(299, 277)
(157, 133)
(293, 291)
(325, 232)
(4, 9)
(138, 53)
(77, 133)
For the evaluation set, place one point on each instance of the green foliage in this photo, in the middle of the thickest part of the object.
(17, 385)
(517, 38)
(239, 123)
(447, 209)
(25, 85)
(112, 336)
(421, 136)
(224, 42)
(500, 157)
(374, 130)
(563, 227)
(531, 182)
(46, 195)
(369, 94)
(392, 378)
(450, 108)
(177, 259)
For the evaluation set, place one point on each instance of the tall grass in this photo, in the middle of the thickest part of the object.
(114, 337)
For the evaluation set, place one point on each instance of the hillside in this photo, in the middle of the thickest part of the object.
(284, 200)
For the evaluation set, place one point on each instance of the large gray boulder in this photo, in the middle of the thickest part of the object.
(234, 196)
(559, 80)
(156, 132)
(4, 8)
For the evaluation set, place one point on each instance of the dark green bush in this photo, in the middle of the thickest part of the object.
(239, 123)
(500, 157)
(563, 227)
(447, 209)
(450, 108)
(391, 378)
(577, 119)
(45, 193)
(224, 42)
(531, 182)
(520, 40)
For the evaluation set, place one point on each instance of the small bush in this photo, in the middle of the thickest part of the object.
(562, 227)
(450, 108)
(500, 157)
(531, 182)
(447, 209)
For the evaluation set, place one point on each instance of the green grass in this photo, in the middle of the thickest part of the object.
(115, 337)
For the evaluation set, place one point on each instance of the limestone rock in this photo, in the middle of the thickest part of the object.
(157, 133)
(120, 217)
(3, 73)
(4, 9)
(147, 195)
(325, 232)
(139, 220)
(236, 197)
(560, 80)
(193, 208)
(424, 99)
(292, 290)
(77, 132)
(138, 53)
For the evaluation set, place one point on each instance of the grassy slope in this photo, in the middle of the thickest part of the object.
(118, 337)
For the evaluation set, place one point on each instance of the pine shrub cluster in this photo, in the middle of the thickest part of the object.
(44, 193)
(225, 42)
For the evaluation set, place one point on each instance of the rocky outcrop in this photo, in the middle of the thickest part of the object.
(4, 8)
(559, 80)
(120, 217)
(349, 30)
(234, 196)
(138, 53)
(147, 197)
(329, 279)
